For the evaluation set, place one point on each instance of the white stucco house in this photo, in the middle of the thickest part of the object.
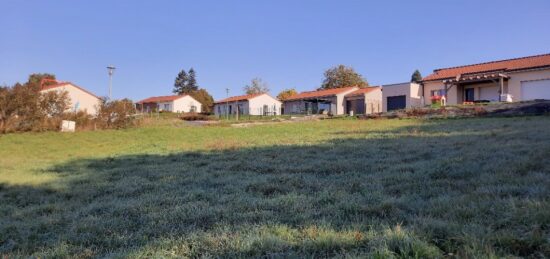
(252, 104)
(518, 79)
(80, 99)
(170, 103)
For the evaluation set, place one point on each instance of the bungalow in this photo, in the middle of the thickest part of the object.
(251, 104)
(317, 102)
(171, 103)
(364, 101)
(518, 79)
(80, 99)
(401, 96)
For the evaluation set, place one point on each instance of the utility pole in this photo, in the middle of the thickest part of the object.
(111, 69)
(227, 103)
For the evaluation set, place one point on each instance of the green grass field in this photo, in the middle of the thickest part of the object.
(335, 188)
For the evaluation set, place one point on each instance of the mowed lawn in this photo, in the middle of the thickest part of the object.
(337, 188)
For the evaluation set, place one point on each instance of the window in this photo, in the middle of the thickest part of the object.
(166, 107)
(193, 108)
(438, 92)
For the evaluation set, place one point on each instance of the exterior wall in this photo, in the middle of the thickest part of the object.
(294, 107)
(412, 91)
(514, 83)
(258, 103)
(185, 104)
(299, 106)
(225, 108)
(340, 101)
(373, 101)
(452, 93)
(79, 99)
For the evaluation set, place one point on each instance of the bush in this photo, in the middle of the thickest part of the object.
(193, 116)
(25, 108)
(117, 114)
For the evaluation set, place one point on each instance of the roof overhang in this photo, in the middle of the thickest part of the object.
(473, 78)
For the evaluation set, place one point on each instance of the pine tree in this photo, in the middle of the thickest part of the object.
(181, 82)
(191, 82)
(416, 77)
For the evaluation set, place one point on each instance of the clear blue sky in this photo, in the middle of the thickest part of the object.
(287, 43)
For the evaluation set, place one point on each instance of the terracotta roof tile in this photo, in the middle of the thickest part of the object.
(363, 90)
(319, 93)
(500, 65)
(238, 98)
(157, 99)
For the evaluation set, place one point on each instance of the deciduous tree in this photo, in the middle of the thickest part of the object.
(205, 99)
(257, 86)
(283, 95)
(342, 76)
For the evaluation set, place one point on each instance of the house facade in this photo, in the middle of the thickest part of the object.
(518, 79)
(252, 104)
(318, 102)
(401, 96)
(80, 99)
(170, 103)
(364, 101)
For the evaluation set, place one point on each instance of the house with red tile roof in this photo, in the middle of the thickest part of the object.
(366, 100)
(517, 79)
(169, 103)
(330, 101)
(251, 104)
(80, 99)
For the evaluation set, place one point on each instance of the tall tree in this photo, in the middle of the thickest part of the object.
(192, 81)
(416, 77)
(36, 79)
(257, 86)
(180, 82)
(342, 76)
(283, 95)
(205, 99)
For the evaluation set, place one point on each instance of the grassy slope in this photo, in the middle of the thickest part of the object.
(474, 187)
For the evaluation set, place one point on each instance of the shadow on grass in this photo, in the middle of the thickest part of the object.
(408, 194)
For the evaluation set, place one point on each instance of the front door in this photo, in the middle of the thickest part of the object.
(469, 94)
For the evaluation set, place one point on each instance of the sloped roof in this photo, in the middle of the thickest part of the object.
(363, 91)
(61, 84)
(238, 98)
(500, 65)
(320, 93)
(157, 99)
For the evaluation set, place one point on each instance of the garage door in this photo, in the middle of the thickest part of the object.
(489, 93)
(539, 89)
(397, 102)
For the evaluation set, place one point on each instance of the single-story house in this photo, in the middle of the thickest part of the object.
(80, 99)
(170, 103)
(317, 102)
(251, 104)
(364, 101)
(517, 79)
(401, 96)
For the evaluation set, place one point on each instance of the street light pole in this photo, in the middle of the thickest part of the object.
(111, 69)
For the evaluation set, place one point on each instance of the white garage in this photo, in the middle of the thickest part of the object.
(538, 89)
